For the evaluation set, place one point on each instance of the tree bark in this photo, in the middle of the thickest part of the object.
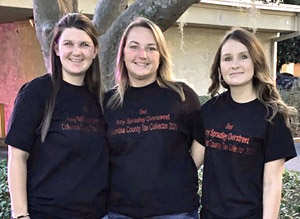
(106, 12)
(163, 13)
(46, 15)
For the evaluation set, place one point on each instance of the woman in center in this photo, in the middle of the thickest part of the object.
(150, 126)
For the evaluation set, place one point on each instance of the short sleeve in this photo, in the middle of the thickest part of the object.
(199, 130)
(25, 118)
(279, 140)
(191, 107)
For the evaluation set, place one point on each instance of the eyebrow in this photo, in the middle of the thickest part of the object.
(149, 44)
(84, 41)
(227, 54)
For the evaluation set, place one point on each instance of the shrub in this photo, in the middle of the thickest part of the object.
(291, 98)
(4, 193)
(203, 99)
(290, 203)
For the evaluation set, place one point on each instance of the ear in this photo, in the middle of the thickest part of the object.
(96, 50)
(56, 49)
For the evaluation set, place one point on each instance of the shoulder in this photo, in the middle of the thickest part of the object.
(188, 91)
(219, 99)
(37, 85)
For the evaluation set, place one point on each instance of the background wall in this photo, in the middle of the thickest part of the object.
(192, 63)
(21, 61)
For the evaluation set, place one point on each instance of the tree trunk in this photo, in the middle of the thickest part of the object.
(46, 15)
(106, 12)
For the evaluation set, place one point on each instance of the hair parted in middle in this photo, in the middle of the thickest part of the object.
(164, 71)
(263, 82)
(92, 77)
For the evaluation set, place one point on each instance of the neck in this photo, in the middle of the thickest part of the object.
(77, 81)
(243, 95)
(141, 83)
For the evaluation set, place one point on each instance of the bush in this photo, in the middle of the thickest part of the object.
(290, 202)
(203, 99)
(4, 193)
(291, 98)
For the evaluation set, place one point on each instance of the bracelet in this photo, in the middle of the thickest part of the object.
(21, 216)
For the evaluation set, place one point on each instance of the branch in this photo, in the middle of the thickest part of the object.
(163, 13)
(67, 6)
(106, 12)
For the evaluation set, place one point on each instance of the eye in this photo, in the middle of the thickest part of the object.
(68, 44)
(85, 44)
(152, 48)
(133, 47)
(244, 57)
(227, 59)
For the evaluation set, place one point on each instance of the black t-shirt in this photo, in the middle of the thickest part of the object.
(238, 142)
(67, 175)
(152, 172)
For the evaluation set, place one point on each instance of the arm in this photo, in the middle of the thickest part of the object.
(272, 186)
(197, 153)
(17, 180)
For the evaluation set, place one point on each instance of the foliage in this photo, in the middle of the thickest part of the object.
(4, 193)
(292, 2)
(203, 99)
(291, 98)
(290, 203)
(288, 51)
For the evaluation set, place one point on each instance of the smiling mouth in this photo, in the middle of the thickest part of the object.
(236, 73)
(76, 60)
(141, 63)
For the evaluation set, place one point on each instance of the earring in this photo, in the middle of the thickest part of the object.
(220, 75)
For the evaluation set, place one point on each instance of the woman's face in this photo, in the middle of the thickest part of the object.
(76, 51)
(236, 64)
(141, 56)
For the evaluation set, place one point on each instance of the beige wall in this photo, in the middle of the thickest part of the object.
(200, 44)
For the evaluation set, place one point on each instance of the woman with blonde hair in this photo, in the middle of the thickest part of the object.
(246, 134)
(150, 126)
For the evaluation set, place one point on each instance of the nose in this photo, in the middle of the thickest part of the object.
(76, 50)
(142, 53)
(235, 63)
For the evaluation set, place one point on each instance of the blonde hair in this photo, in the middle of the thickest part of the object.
(262, 80)
(164, 71)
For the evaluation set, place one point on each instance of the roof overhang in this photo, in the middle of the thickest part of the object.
(257, 15)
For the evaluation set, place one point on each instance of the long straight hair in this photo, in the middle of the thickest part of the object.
(92, 77)
(164, 71)
(263, 82)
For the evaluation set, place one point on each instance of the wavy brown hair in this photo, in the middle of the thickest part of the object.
(92, 77)
(164, 71)
(263, 82)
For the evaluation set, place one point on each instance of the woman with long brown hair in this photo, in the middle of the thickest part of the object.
(58, 156)
(245, 131)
